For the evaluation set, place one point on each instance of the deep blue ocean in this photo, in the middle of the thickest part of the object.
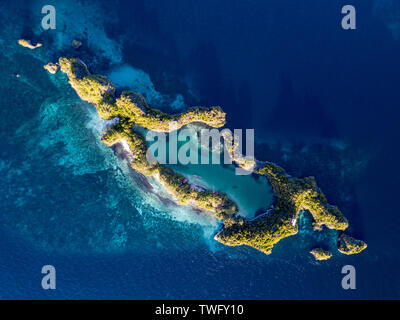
(323, 102)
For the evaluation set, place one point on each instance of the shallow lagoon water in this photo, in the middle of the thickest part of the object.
(252, 194)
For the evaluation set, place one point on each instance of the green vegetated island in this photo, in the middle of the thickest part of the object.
(292, 195)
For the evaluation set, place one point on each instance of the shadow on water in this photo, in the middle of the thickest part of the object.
(296, 114)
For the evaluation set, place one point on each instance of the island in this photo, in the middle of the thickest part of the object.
(321, 254)
(28, 44)
(51, 67)
(349, 245)
(293, 196)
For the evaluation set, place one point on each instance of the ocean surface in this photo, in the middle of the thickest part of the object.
(322, 101)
